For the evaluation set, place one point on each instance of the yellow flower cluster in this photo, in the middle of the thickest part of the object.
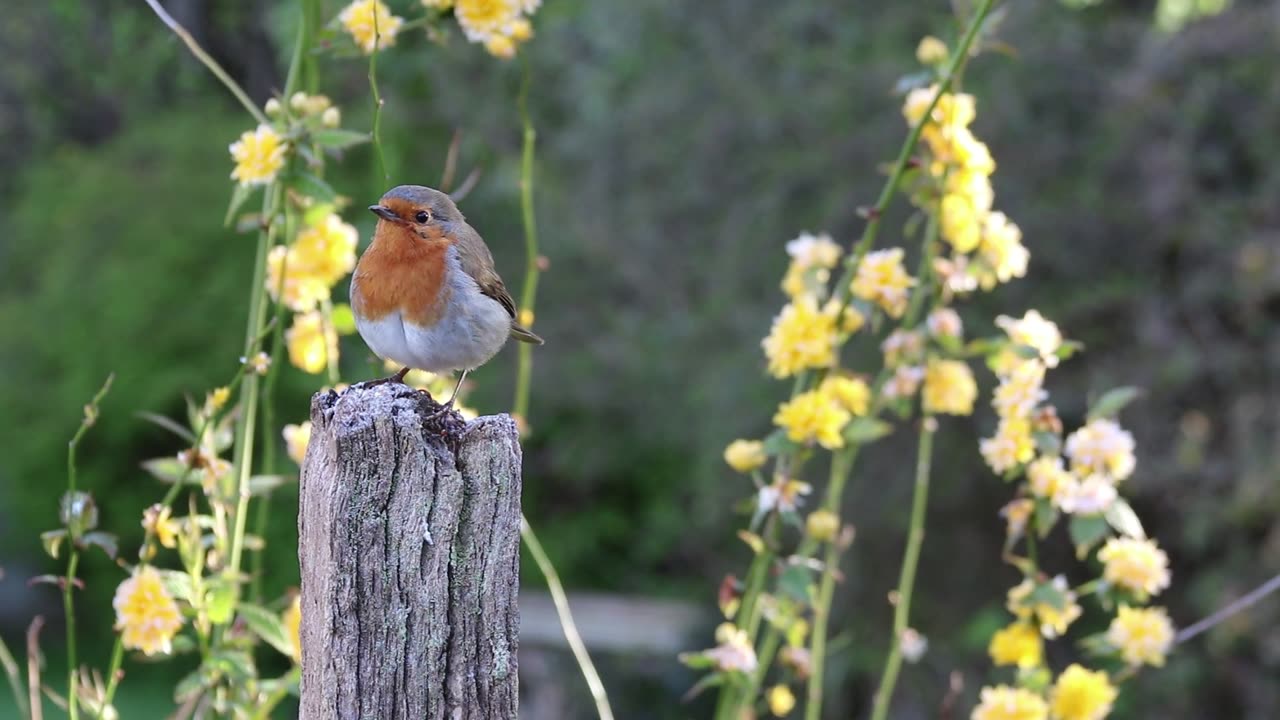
(814, 416)
(1079, 694)
(803, 336)
(962, 165)
(146, 614)
(812, 258)
(1018, 644)
(320, 257)
(259, 155)
(1142, 635)
(881, 279)
(500, 25)
(370, 24)
(949, 388)
(745, 455)
(1102, 447)
(1053, 619)
(1136, 565)
(312, 342)
(1008, 703)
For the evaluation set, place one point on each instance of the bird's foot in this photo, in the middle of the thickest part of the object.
(397, 378)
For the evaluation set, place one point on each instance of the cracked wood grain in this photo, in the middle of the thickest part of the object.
(409, 541)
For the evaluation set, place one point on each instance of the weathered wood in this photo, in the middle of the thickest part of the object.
(409, 540)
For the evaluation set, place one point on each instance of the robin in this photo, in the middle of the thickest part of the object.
(425, 293)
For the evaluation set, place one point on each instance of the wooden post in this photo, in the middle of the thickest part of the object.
(409, 541)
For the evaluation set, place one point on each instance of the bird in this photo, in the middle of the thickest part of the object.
(425, 293)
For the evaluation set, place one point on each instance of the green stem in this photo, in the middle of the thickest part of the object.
(209, 62)
(377, 103)
(68, 605)
(311, 22)
(843, 286)
(281, 692)
(113, 674)
(841, 465)
(561, 601)
(528, 294)
(906, 583)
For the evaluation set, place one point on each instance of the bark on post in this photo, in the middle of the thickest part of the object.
(409, 541)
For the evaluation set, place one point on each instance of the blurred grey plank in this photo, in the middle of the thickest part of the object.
(617, 623)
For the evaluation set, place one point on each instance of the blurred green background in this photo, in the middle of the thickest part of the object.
(680, 146)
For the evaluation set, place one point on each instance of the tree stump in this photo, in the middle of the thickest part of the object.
(409, 542)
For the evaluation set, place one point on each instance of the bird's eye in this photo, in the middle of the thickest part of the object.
(423, 216)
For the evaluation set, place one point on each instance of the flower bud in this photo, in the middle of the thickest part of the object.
(273, 108)
(331, 118)
(822, 525)
(931, 50)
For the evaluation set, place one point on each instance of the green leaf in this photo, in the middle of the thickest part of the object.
(1046, 593)
(1113, 401)
(1125, 521)
(343, 319)
(1047, 443)
(777, 443)
(1086, 531)
(794, 583)
(697, 661)
(177, 583)
(168, 424)
(1068, 348)
(866, 429)
(239, 195)
(166, 469)
(264, 484)
(236, 665)
(985, 346)
(220, 602)
(51, 540)
(1046, 517)
(338, 139)
(104, 540)
(1026, 352)
(190, 685)
(268, 626)
(313, 187)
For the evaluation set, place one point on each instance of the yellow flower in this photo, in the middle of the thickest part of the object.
(1088, 496)
(481, 20)
(1019, 644)
(881, 279)
(500, 46)
(296, 440)
(146, 613)
(1011, 446)
(973, 186)
(259, 155)
(157, 520)
(312, 342)
(802, 337)
(960, 222)
(848, 320)
(1081, 695)
(781, 700)
(1020, 391)
(1048, 479)
(1136, 565)
(745, 455)
(1034, 331)
(944, 322)
(1142, 635)
(813, 416)
(359, 19)
(216, 399)
(1007, 703)
(810, 251)
(321, 256)
(931, 50)
(1053, 620)
(1103, 447)
(292, 620)
(949, 388)
(822, 525)
(1002, 251)
(850, 393)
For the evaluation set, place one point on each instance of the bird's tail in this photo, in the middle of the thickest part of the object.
(523, 334)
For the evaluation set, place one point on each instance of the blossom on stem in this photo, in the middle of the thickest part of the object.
(259, 155)
(370, 23)
(1080, 694)
(146, 614)
(1136, 565)
(802, 337)
(881, 279)
(1142, 635)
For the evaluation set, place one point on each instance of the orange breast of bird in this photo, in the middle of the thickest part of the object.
(405, 272)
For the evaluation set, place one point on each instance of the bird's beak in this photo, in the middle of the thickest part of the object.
(384, 213)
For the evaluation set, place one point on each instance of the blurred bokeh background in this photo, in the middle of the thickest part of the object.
(680, 146)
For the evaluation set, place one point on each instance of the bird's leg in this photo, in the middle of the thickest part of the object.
(397, 378)
(456, 388)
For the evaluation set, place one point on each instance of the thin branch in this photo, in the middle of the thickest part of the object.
(209, 62)
(1234, 608)
(566, 620)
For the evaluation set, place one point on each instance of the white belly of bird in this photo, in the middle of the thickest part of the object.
(468, 333)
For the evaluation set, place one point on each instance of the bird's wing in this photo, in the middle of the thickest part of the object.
(477, 261)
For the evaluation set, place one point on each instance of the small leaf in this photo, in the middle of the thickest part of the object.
(343, 319)
(264, 484)
(220, 602)
(189, 686)
(313, 187)
(777, 443)
(1047, 443)
(1068, 348)
(1047, 593)
(238, 196)
(337, 139)
(103, 540)
(237, 665)
(1125, 521)
(1026, 352)
(696, 660)
(1113, 401)
(985, 346)
(168, 470)
(752, 540)
(168, 424)
(866, 429)
(177, 583)
(794, 583)
(1086, 531)
(52, 540)
(268, 626)
(1046, 517)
